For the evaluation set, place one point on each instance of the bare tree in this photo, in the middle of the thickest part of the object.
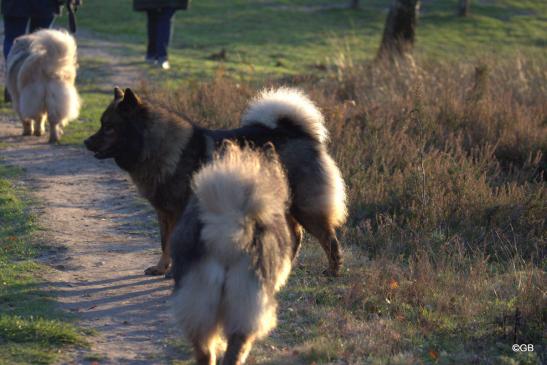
(399, 30)
(463, 7)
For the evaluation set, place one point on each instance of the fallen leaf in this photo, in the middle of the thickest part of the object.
(393, 284)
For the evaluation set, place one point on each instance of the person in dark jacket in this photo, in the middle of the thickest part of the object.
(18, 14)
(159, 15)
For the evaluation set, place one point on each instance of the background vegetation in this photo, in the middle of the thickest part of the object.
(445, 168)
(444, 161)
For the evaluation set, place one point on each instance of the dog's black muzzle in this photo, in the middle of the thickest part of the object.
(93, 144)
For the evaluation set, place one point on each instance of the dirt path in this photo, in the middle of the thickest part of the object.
(102, 235)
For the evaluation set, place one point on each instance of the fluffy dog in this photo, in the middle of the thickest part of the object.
(41, 69)
(232, 251)
(161, 151)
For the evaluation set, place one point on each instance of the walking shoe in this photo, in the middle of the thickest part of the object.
(164, 65)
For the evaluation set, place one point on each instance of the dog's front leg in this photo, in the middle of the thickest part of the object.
(167, 223)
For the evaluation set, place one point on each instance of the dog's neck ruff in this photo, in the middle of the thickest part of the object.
(164, 147)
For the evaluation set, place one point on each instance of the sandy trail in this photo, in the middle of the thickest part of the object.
(102, 237)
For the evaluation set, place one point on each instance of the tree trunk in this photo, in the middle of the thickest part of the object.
(399, 30)
(463, 7)
(354, 4)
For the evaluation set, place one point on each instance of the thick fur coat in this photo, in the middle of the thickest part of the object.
(232, 251)
(161, 151)
(41, 70)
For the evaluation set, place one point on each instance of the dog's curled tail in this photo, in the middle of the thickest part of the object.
(240, 188)
(57, 49)
(284, 103)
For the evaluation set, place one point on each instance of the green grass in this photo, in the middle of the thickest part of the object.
(289, 37)
(267, 40)
(32, 330)
(87, 123)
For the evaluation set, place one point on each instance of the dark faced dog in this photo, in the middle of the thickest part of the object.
(161, 151)
(232, 251)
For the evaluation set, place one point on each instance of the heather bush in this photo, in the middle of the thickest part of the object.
(445, 167)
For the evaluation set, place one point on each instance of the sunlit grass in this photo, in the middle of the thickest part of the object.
(32, 330)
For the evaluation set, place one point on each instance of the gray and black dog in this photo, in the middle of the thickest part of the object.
(162, 150)
(231, 252)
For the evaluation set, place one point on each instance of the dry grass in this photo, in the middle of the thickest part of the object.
(445, 165)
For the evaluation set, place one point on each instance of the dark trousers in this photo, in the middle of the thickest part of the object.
(159, 33)
(17, 26)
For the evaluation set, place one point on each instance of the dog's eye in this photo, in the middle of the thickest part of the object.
(108, 129)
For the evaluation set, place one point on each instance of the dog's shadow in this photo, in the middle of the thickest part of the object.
(130, 305)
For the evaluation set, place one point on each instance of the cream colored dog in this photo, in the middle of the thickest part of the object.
(41, 69)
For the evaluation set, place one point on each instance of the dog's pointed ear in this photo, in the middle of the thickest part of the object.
(131, 98)
(118, 93)
(130, 102)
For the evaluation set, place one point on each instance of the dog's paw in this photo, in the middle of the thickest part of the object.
(155, 270)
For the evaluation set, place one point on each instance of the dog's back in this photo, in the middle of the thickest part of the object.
(232, 250)
(41, 69)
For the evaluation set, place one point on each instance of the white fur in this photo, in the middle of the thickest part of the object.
(197, 301)
(273, 104)
(334, 194)
(246, 307)
(41, 70)
(239, 188)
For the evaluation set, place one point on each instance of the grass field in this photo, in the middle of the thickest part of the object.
(445, 166)
(32, 331)
(289, 37)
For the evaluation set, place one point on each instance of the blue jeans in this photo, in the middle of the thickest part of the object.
(17, 26)
(159, 33)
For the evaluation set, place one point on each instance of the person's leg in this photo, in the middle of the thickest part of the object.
(151, 27)
(40, 23)
(13, 28)
(164, 33)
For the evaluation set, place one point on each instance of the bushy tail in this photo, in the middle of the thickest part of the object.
(273, 105)
(238, 189)
(53, 54)
(55, 50)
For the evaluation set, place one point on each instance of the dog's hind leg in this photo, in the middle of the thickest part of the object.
(319, 226)
(27, 127)
(205, 352)
(40, 125)
(196, 305)
(54, 131)
(238, 348)
(297, 233)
